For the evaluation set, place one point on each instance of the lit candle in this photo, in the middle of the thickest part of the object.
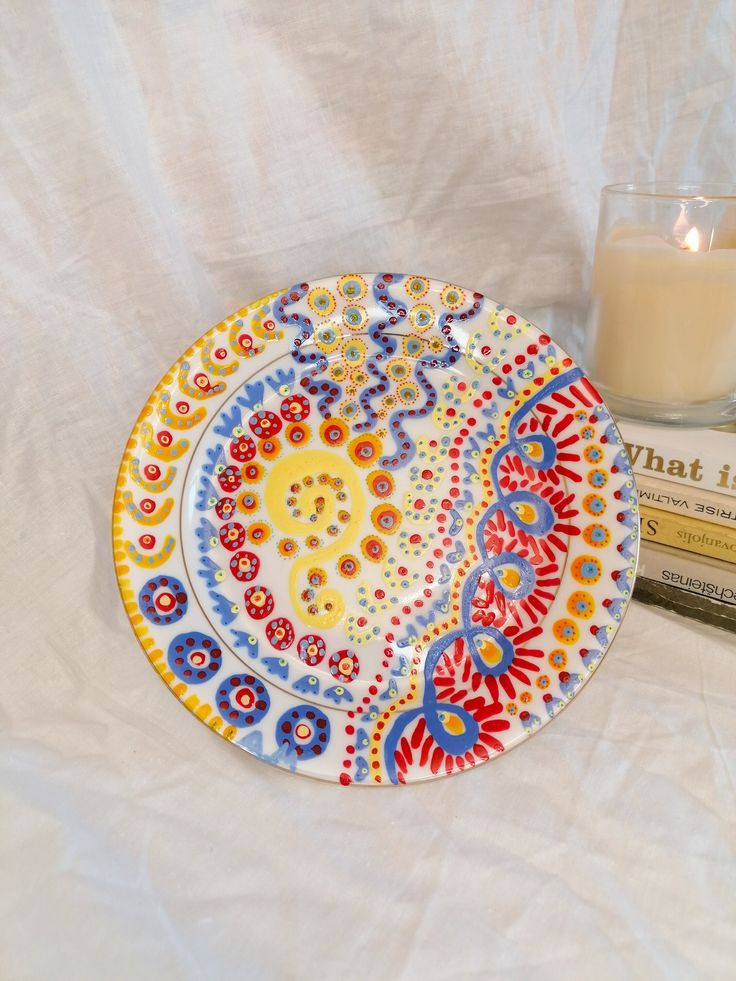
(663, 325)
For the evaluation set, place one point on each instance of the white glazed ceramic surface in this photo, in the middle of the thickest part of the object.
(375, 529)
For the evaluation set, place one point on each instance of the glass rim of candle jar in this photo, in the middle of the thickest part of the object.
(675, 190)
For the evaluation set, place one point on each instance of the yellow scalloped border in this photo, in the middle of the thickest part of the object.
(202, 710)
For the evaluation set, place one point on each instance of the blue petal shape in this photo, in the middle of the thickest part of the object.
(591, 657)
(457, 523)
(308, 685)
(252, 395)
(281, 377)
(204, 533)
(223, 607)
(390, 692)
(616, 608)
(456, 555)
(403, 669)
(277, 666)
(602, 635)
(628, 546)
(526, 371)
(253, 742)
(229, 419)
(371, 713)
(208, 570)
(530, 722)
(338, 694)
(553, 705)
(206, 492)
(623, 578)
(568, 687)
(245, 642)
(215, 456)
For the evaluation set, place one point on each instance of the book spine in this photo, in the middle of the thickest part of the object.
(677, 569)
(699, 537)
(687, 500)
(704, 459)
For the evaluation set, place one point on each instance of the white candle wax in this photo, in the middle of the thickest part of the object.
(663, 325)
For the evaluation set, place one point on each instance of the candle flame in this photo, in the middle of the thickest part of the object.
(687, 237)
(691, 241)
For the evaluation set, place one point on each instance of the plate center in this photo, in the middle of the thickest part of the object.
(323, 548)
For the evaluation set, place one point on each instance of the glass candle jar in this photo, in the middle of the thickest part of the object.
(661, 340)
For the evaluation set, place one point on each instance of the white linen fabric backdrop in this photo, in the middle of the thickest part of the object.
(164, 163)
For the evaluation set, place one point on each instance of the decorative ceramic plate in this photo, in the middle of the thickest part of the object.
(375, 529)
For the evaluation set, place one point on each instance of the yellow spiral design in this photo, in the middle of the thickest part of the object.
(318, 500)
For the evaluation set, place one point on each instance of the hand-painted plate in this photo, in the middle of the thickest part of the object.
(375, 529)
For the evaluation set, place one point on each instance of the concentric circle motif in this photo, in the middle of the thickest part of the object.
(243, 700)
(375, 529)
(162, 600)
(194, 657)
(303, 732)
(311, 649)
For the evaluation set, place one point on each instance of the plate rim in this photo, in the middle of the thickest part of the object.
(144, 634)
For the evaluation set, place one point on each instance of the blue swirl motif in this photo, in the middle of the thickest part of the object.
(454, 729)
(523, 508)
(313, 361)
(395, 311)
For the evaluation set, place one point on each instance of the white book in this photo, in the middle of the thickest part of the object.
(695, 574)
(695, 502)
(703, 458)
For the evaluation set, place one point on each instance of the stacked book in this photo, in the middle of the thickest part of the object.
(687, 497)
